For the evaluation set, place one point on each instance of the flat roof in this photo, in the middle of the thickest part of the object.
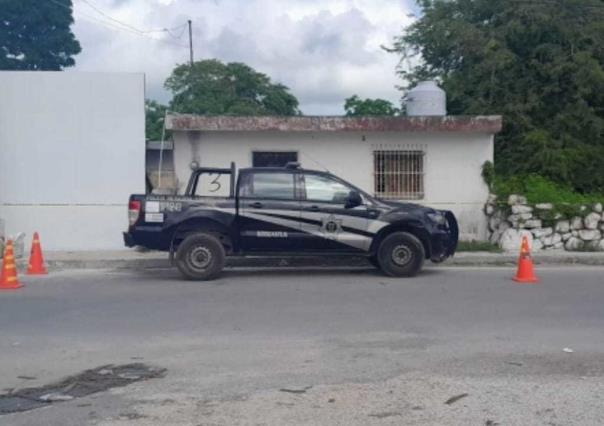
(223, 123)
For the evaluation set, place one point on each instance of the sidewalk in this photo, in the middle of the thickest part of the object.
(132, 259)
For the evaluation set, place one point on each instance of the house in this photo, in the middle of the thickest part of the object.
(72, 149)
(431, 160)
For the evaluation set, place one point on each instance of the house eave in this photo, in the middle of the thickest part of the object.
(489, 124)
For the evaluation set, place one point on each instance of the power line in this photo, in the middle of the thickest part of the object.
(116, 27)
(90, 17)
(99, 11)
(183, 28)
(111, 18)
(163, 30)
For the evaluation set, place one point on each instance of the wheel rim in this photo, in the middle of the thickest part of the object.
(200, 257)
(401, 255)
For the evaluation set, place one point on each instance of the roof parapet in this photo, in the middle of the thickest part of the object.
(452, 123)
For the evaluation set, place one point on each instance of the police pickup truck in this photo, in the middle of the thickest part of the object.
(285, 211)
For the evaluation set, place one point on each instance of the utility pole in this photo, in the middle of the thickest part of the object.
(191, 41)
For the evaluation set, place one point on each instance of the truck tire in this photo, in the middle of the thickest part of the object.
(200, 257)
(401, 254)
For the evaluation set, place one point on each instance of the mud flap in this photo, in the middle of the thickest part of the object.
(453, 232)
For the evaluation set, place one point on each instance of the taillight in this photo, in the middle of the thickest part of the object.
(134, 211)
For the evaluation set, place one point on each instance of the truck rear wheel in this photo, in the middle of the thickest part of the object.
(401, 254)
(200, 257)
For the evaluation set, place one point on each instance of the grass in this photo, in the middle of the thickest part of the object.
(478, 246)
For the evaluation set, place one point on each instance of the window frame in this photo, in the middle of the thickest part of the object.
(413, 152)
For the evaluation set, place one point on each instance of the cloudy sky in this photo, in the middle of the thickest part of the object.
(323, 50)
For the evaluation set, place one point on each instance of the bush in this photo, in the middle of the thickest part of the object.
(538, 189)
(488, 174)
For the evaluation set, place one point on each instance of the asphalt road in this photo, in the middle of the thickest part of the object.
(341, 346)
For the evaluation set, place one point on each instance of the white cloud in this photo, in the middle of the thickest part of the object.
(324, 51)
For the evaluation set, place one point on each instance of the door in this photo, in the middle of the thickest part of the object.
(269, 211)
(327, 223)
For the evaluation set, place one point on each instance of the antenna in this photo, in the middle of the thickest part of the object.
(315, 161)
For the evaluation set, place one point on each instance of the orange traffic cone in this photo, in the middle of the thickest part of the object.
(8, 275)
(36, 260)
(525, 273)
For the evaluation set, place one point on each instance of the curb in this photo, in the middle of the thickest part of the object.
(506, 259)
(161, 261)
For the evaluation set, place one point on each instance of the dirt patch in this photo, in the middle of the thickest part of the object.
(77, 386)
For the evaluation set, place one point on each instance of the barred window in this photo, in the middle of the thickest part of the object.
(399, 174)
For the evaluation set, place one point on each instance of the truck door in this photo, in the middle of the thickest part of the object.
(269, 211)
(326, 222)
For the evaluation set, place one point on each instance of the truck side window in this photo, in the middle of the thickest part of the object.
(325, 189)
(268, 185)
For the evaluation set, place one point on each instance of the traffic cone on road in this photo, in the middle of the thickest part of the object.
(36, 260)
(8, 275)
(526, 272)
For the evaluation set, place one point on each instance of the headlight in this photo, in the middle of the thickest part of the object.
(437, 218)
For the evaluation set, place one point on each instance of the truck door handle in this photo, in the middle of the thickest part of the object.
(256, 205)
(314, 208)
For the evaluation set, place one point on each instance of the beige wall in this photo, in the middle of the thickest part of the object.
(452, 164)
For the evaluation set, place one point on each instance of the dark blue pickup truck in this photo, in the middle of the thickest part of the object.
(286, 211)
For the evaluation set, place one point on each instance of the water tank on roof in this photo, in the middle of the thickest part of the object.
(426, 99)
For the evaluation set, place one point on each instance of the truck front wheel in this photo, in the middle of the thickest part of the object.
(401, 254)
(200, 257)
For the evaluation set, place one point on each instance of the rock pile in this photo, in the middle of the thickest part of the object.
(545, 227)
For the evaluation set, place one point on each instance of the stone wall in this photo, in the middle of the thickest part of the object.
(573, 228)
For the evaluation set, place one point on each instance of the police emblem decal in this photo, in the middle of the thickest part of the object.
(331, 225)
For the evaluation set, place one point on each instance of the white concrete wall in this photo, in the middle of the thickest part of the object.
(453, 161)
(72, 148)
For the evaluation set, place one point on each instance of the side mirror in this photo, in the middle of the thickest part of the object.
(354, 199)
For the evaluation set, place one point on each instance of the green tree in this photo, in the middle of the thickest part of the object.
(36, 35)
(214, 88)
(355, 106)
(155, 114)
(539, 63)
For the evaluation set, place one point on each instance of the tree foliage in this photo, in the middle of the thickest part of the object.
(155, 114)
(355, 106)
(36, 35)
(214, 88)
(539, 63)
